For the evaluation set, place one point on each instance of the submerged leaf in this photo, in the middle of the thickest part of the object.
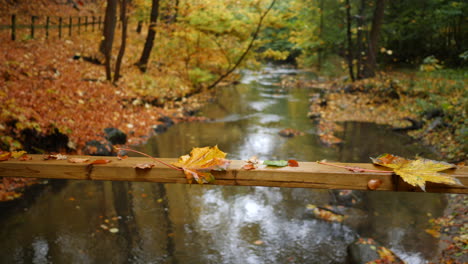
(277, 163)
(325, 213)
(200, 162)
(417, 172)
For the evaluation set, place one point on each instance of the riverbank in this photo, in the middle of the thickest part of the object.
(54, 100)
(430, 107)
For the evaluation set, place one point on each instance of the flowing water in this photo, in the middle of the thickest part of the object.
(121, 222)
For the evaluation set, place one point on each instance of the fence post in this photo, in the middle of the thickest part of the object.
(47, 27)
(94, 22)
(79, 25)
(13, 27)
(60, 27)
(33, 20)
(86, 23)
(99, 22)
(70, 21)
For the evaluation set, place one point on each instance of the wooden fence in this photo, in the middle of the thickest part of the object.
(61, 25)
(307, 175)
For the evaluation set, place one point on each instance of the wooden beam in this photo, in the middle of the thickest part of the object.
(307, 175)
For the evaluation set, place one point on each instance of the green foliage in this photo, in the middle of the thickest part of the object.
(430, 63)
(417, 29)
(198, 75)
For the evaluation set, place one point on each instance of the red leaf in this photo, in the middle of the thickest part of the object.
(102, 161)
(248, 166)
(25, 158)
(293, 163)
(121, 157)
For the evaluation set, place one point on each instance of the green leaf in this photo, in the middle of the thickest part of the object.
(277, 163)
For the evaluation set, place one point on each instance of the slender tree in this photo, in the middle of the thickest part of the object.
(359, 39)
(110, 21)
(370, 65)
(142, 64)
(349, 40)
(320, 49)
(124, 19)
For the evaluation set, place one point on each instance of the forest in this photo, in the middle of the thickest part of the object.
(341, 80)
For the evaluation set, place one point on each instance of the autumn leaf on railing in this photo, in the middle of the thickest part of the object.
(417, 172)
(200, 162)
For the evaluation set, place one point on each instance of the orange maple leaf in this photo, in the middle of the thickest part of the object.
(200, 162)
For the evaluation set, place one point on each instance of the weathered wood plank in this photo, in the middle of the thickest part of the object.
(307, 175)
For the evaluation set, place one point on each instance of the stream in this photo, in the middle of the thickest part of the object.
(123, 222)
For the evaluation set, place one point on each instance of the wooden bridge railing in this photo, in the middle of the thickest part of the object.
(307, 175)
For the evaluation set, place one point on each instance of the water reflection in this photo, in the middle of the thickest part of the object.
(209, 224)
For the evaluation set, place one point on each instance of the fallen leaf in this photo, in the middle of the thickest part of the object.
(55, 157)
(101, 161)
(200, 162)
(144, 166)
(25, 158)
(258, 242)
(121, 157)
(433, 232)
(252, 163)
(325, 214)
(289, 132)
(386, 255)
(249, 166)
(293, 163)
(18, 154)
(417, 172)
(276, 163)
(5, 156)
(78, 160)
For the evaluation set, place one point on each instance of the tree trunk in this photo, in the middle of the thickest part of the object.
(360, 46)
(108, 33)
(370, 65)
(142, 64)
(349, 38)
(320, 49)
(124, 18)
(139, 26)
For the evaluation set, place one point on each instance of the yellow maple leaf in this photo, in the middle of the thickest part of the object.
(200, 162)
(417, 172)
